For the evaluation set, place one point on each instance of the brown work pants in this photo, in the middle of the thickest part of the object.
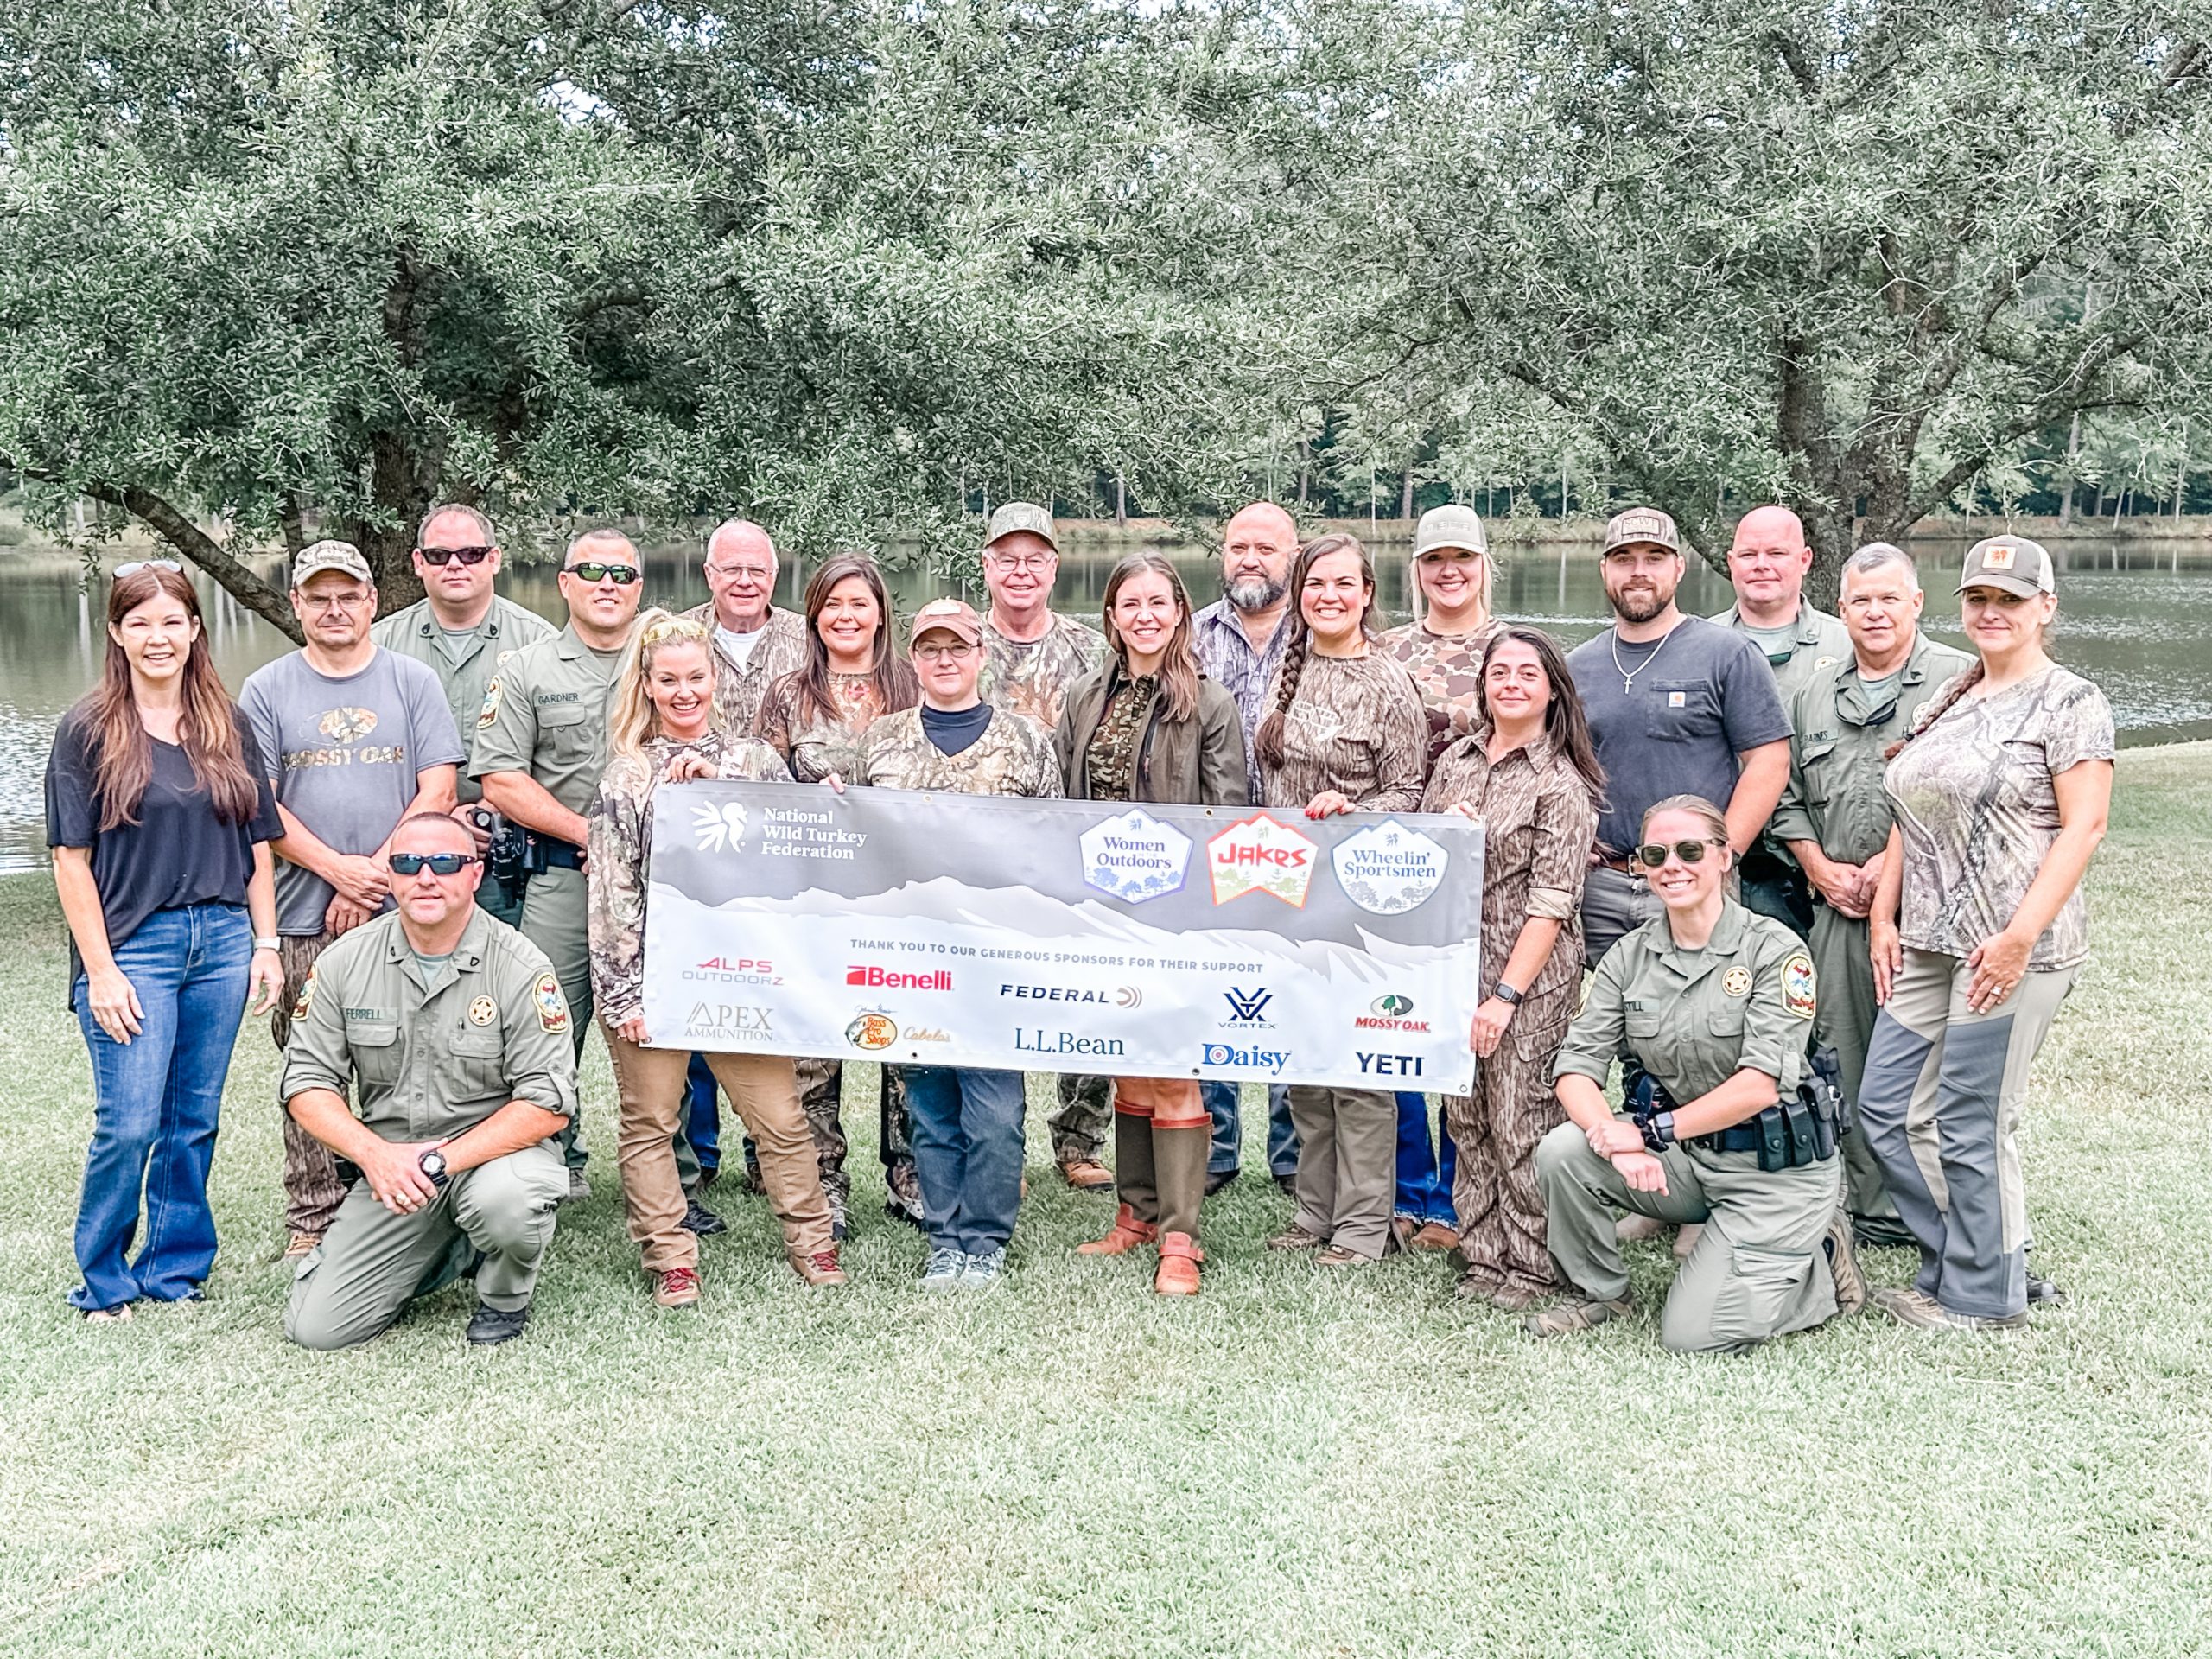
(765, 1091)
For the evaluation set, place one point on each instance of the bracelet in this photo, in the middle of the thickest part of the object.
(267, 944)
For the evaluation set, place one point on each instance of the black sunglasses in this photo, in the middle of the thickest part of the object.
(621, 574)
(1652, 855)
(448, 554)
(440, 863)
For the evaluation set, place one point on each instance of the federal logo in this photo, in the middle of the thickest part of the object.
(483, 1010)
(1736, 982)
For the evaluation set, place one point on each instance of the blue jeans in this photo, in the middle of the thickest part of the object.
(967, 1132)
(154, 1102)
(1226, 1153)
(702, 1118)
(1424, 1179)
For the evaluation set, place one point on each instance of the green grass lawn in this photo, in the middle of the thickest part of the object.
(1295, 1463)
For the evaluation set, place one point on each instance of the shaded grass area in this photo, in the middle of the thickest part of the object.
(1295, 1463)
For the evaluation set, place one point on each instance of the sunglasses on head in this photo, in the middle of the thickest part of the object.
(136, 565)
(440, 863)
(448, 554)
(621, 574)
(1652, 855)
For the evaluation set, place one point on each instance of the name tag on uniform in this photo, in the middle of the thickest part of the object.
(1676, 699)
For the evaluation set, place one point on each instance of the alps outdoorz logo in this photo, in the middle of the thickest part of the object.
(1248, 1009)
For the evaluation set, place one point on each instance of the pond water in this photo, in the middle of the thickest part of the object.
(2136, 619)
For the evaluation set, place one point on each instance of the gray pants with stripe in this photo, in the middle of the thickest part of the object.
(1939, 1104)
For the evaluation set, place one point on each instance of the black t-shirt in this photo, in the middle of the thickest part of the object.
(951, 732)
(178, 853)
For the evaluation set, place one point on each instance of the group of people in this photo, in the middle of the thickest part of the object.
(1821, 875)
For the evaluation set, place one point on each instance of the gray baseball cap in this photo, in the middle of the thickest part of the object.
(1642, 524)
(1450, 525)
(2013, 564)
(318, 556)
(1011, 516)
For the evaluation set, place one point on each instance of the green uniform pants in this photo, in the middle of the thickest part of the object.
(371, 1264)
(1757, 1270)
(556, 918)
(1347, 1164)
(1846, 1022)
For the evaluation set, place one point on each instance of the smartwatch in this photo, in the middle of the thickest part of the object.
(433, 1165)
(1658, 1131)
(1505, 994)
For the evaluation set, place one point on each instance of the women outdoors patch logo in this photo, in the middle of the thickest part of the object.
(1797, 994)
(872, 1032)
(483, 1010)
(347, 725)
(1736, 982)
(552, 1010)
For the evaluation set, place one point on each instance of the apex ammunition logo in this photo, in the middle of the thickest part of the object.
(719, 828)
(1260, 855)
(727, 1022)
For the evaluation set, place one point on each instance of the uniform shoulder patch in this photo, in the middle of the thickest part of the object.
(483, 1010)
(1736, 982)
(552, 1007)
(305, 999)
(490, 712)
(1798, 995)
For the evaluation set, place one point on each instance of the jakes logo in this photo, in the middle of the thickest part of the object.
(1260, 855)
(719, 828)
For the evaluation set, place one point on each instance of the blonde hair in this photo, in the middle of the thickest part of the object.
(1699, 808)
(633, 720)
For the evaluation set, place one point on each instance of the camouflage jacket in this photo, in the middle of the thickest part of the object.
(1448, 669)
(1012, 756)
(1033, 677)
(738, 691)
(621, 846)
(815, 748)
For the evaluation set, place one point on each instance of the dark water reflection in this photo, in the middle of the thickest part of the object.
(2129, 621)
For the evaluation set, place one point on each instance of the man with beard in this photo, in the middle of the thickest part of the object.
(1677, 705)
(1240, 639)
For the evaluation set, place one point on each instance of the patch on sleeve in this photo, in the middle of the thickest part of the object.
(1797, 993)
(304, 1000)
(490, 712)
(553, 1008)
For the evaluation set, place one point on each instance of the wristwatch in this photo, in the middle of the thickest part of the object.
(267, 944)
(1505, 994)
(433, 1165)
(1658, 1131)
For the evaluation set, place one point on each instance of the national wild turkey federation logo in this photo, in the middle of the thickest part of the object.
(719, 829)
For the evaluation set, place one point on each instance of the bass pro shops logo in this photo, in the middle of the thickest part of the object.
(1260, 855)
(872, 1032)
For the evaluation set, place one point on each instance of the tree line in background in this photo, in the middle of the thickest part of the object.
(856, 268)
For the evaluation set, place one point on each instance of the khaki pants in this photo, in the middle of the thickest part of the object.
(312, 1189)
(1757, 1269)
(1347, 1164)
(765, 1091)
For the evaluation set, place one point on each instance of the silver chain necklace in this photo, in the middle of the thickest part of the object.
(1627, 676)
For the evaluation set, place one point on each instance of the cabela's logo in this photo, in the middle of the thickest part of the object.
(872, 1031)
(718, 826)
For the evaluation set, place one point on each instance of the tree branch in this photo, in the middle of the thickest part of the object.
(232, 577)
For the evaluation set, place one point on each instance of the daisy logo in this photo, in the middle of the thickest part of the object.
(719, 828)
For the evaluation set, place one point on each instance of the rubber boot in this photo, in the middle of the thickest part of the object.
(1136, 1221)
(1179, 1168)
(1178, 1274)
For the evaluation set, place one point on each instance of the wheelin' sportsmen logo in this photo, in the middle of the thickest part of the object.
(1387, 869)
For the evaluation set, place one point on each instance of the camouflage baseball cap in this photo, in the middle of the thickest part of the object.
(2012, 563)
(954, 616)
(1642, 524)
(1011, 516)
(1450, 526)
(318, 556)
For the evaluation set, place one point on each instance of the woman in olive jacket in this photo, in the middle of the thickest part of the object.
(1146, 726)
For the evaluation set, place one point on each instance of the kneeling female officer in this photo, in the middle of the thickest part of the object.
(1715, 1004)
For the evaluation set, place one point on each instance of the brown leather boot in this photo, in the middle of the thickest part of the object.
(1178, 1274)
(1125, 1234)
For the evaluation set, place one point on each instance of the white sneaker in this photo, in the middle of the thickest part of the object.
(983, 1270)
(944, 1271)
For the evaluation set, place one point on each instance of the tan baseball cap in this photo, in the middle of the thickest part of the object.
(318, 556)
(1642, 524)
(1011, 516)
(2013, 564)
(954, 616)
(1450, 526)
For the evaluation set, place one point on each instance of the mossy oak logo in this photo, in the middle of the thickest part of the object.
(347, 725)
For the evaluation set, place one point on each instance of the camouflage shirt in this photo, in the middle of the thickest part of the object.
(621, 845)
(1355, 726)
(1448, 670)
(739, 689)
(815, 748)
(1012, 756)
(1110, 758)
(1033, 677)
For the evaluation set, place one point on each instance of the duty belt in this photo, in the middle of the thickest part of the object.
(1737, 1137)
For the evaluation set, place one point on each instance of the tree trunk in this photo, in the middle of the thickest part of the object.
(2073, 460)
(1406, 493)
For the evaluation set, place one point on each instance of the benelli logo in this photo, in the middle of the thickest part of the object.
(1391, 1065)
(892, 979)
(1251, 1059)
(1260, 855)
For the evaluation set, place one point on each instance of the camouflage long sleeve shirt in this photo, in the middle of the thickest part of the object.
(1012, 756)
(621, 847)
(1033, 677)
(1356, 727)
(813, 747)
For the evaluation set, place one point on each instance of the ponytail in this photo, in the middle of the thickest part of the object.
(1969, 679)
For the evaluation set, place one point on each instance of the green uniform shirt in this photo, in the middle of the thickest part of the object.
(1820, 642)
(1693, 1019)
(505, 629)
(544, 712)
(1834, 795)
(426, 1066)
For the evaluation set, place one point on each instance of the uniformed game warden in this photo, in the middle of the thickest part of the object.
(452, 1027)
(1714, 1003)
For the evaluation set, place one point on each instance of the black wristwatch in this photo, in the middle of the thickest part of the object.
(1658, 1131)
(1505, 994)
(433, 1165)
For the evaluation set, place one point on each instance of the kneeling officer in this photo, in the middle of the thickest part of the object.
(1714, 1003)
(454, 1026)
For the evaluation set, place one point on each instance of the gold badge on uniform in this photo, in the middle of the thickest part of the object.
(491, 710)
(305, 998)
(483, 1010)
(1736, 982)
(552, 1009)
(1797, 994)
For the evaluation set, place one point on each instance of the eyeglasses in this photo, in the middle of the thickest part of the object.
(1654, 853)
(448, 554)
(741, 572)
(958, 652)
(136, 565)
(440, 863)
(1022, 562)
(336, 601)
(621, 574)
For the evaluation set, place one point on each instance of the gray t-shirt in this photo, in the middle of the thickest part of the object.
(1698, 699)
(344, 754)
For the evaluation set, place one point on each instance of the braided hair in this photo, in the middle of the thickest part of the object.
(1269, 743)
(1969, 677)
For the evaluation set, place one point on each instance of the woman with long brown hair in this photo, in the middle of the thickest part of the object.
(814, 717)
(1147, 725)
(1529, 771)
(1346, 734)
(158, 809)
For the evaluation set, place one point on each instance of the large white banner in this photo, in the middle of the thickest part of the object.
(1065, 936)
